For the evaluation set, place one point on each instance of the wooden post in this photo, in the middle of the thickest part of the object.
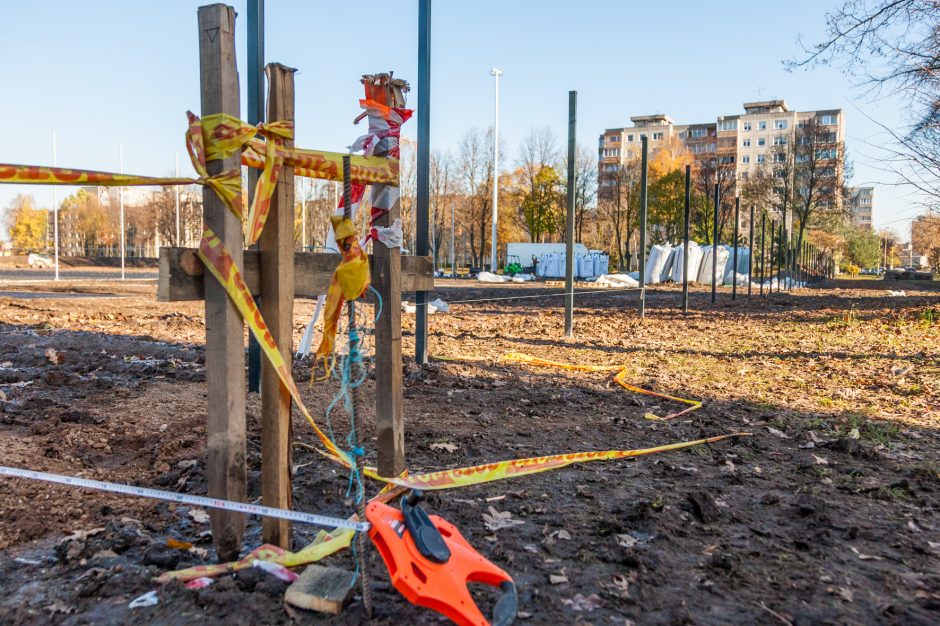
(277, 308)
(225, 340)
(387, 278)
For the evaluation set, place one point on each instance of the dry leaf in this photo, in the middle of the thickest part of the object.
(563, 534)
(446, 447)
(557, 579)
(582, 603)
(626, 541)
(866, 557)
(777, 433)
(199, 516)
(54, 357)
(496, 520)
(820, 460)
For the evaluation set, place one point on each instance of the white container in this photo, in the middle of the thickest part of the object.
(601, 264)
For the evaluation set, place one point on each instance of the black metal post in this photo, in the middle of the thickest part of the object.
(750, 252)
(423, 192)
(773, 235)
(644, 170)
(255, 116)
(569, 235)
(734, 256)
(715, 245)
(781, 250)
(763, 250)
(685, 239)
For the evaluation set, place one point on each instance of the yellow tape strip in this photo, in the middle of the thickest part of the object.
(221, 265)
(620, 379)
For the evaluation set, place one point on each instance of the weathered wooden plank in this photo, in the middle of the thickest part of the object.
(387, 278)
(323, 589)
(277, 306)
(225, 349)
(181, 274)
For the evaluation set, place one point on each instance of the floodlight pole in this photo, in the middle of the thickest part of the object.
(495, 73)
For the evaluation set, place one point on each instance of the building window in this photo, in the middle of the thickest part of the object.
(778, 158)
(747, 126)
(780, 124)
(615, 138)
(725, 160)
(629, 138)
(828, 120)
(762, 125)
(697, 133)
(745, 159)
(728, 125)
(761, 141)
(760, 158)
(746, 143)
(780, 140)
(657, 136)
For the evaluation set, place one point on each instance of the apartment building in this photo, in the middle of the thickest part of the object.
(741, 142)
(861, 203)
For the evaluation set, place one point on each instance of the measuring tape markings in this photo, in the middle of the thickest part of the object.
(183, 498)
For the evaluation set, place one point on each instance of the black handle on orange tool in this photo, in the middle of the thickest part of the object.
(426, 536)
(504, 613)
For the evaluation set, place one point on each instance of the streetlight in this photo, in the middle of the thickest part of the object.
(495, 73)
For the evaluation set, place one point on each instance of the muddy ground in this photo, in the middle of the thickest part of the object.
(828, 514)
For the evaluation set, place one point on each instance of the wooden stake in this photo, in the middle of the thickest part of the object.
(225, 341)
(387, 281)
(277, 308)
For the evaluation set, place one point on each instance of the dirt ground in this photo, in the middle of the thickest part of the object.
(828, 514)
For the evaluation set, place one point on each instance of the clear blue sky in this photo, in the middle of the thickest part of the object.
(104, 72)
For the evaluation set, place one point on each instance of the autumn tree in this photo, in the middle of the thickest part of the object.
(538, 185)
(27, 225)
(90, 222)
(925, 237)
(666, 205)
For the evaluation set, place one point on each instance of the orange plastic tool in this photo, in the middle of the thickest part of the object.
(437, 581)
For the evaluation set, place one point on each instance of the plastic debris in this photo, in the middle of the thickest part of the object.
(276, 570)
(148, 599)
(199, 583)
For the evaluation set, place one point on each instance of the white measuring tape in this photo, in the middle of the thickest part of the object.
(184, 498)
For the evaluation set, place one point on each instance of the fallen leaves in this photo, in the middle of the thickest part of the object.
(497, 520)
(446, 447)
(54, 357)
(199, 516)
(584, 603)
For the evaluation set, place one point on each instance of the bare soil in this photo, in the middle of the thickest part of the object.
(828, 514)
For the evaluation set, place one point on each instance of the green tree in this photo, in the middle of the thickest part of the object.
(28, 225)
(862, 247)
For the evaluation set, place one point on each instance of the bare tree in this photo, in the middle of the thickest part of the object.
(893, 45)
(585, 189)
(618, 205)
(819, 168)
(475, 175)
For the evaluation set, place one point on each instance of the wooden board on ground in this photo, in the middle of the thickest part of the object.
(181, 274)
(323, 589)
